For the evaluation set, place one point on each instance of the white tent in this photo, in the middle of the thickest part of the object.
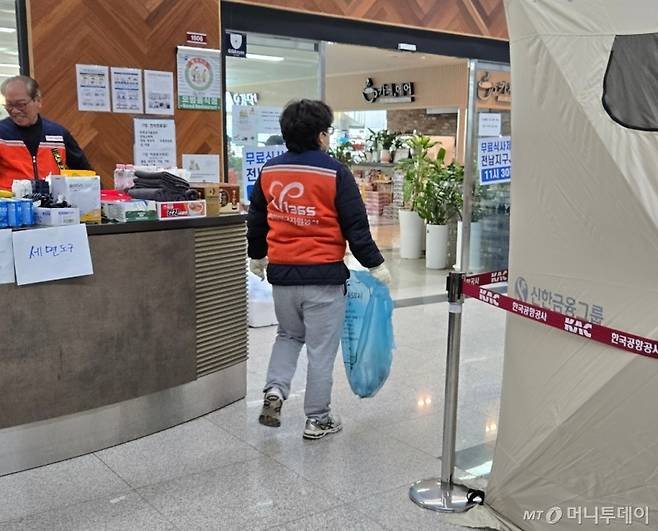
(578, 431)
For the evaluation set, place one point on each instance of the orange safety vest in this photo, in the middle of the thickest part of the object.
(301, 214)
(16, 161)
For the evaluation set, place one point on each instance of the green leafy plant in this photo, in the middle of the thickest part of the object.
(345, 153)
(373, 141)
(416, 169)
(399, 142)
(387, 138)
(440, 200)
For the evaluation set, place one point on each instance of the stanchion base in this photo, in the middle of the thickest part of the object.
(447, 498)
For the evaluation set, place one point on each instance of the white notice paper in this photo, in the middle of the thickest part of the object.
(203, 168)
(244, 120)
(6, 257)
(93, 83)
(155, 143)
(489, 124)
(268, 120)
(127, 90)
(159, 92)
(41, 255)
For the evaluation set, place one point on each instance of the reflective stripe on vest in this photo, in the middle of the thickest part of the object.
(301, 214)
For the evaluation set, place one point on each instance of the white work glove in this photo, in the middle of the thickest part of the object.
(382, 274)
(257, 267)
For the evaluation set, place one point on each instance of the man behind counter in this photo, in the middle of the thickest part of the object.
(32, 147)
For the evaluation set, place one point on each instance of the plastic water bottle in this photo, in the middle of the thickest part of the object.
(119, 177)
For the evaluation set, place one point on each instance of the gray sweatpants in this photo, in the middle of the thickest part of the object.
(311, 315)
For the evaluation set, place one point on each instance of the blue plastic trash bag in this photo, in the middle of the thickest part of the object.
(367, 334)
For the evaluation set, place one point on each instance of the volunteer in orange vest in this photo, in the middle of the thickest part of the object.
(32, 147)
(305, 206)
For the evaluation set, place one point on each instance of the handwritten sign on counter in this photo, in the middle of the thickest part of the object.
(54, 253)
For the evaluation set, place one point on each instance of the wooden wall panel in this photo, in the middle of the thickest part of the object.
(124, 33)
(482, 18)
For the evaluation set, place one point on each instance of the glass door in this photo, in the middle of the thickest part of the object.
(275, 71)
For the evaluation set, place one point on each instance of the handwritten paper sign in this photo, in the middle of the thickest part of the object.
(54, 253)
(6, 258)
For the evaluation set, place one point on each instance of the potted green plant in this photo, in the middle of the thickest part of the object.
(345, 153)
(400, 149)
(439, 204)
(372, 146)
(386, 139)
(415, 171)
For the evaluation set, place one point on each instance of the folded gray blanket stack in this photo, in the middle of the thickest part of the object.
(161, 186)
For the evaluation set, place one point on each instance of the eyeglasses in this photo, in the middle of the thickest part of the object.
(330, 130)
(19, 106)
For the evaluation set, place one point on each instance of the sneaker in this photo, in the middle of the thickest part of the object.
(315, 429)
(271, 413)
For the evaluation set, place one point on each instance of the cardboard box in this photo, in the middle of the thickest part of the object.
(128, 211)
(83, 193)
(181, 209)
(229, 198)
(222, 198)
(53, 217)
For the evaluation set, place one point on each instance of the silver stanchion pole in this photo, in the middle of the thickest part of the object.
(441, 494)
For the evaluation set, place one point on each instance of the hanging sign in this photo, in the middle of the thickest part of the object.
(41, 255)
(235, 44)
(402, 92)
(495, 160)
(495, 88)
(199, 78)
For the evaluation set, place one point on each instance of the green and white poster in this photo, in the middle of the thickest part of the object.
(199, 78)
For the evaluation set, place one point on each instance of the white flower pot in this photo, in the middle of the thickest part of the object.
(474, 263)
(400, 154)
(412, 234)
(384, 155)
(436, 254)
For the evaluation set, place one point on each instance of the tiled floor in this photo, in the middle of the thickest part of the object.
(225, 471)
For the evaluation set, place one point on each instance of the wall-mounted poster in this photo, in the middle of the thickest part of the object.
(93, 82)
(199, 77)
(127, 90)
(159, 92)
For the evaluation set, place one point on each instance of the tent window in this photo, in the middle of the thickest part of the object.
(629, 87)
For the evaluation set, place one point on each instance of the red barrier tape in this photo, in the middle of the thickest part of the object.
(472, 287)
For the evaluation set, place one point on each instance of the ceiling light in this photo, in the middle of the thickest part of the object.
(258, 57)
(7, 30)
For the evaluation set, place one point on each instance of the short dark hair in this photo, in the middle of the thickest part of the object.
(302, 121)
(31, 85)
